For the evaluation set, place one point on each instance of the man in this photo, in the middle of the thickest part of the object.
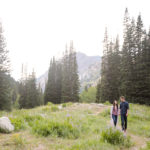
(124, 108)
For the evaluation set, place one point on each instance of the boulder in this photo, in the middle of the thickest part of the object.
(5, 125)
(60, 107)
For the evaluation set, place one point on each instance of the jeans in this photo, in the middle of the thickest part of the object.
(114, 117)
(124, 121)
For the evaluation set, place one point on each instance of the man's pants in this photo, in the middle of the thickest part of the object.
(124, 121)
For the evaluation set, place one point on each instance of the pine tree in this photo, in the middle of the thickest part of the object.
(50, 94)
(75, 80)
(70, 78)
(113, 78)
(143, 72)
(126, 87)
(32, 95)
(5, 99)
(104, 69)
(58, 82)
(139, 64)
(29, 94)
(40, 92)
(23, 95)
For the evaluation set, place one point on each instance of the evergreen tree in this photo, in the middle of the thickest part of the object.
(113, 78)
(40, 92)
(5, 99)
(32, 92)
(66, 91)
(70, 78)
(29, 94)
(50, 94)
(104, 69)
(23, 95)
(128, 48)
(75, 79)
(58, 83)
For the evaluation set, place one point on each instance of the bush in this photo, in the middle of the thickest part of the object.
(54, 108)
(67, 104)
(64, 105)
(49, 104)
(47, 127)
(18, 123)
(107, 103)
(115, 137)
(30, 118)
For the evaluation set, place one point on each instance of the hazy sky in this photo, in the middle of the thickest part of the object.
(35, 30)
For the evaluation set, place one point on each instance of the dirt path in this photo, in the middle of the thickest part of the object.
(93, 107)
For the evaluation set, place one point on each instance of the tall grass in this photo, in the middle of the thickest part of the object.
(139, 120)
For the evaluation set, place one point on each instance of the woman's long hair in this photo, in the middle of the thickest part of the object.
(115, 104)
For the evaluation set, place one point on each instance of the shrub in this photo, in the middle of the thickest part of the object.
(18, 123)
(54, 108)
(49, 104)
(148, 145)
(67, 104)
(47, 127)
(31, 118)
(107, 103)
(115, 137)
(64, 105)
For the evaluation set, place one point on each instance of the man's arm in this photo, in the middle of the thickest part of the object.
(120, 109)
(127, 109)
(127, 112)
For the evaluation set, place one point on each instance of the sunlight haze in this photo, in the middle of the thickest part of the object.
(36, 30)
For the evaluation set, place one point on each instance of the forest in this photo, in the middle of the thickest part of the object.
(125, 70)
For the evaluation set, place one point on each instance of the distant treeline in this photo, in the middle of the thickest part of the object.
(125, 69)
(63, 80)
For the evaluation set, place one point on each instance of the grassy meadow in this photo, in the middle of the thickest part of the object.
(77, 126)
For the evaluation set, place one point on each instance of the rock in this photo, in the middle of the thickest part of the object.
(60, 107)
(5, 125)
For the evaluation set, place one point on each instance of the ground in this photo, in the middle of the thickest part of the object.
(91, 119)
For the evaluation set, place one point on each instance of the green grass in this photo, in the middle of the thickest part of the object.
(73, 129)
(139, 120)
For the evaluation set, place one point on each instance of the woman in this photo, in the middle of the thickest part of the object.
(114, 112)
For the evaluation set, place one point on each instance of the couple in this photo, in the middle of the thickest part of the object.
(122, 110)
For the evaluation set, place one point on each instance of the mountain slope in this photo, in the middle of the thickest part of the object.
(88, 68)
